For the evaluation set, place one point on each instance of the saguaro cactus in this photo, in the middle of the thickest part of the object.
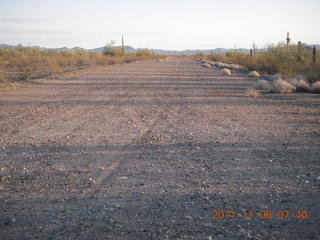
(288, 39)
(299, 51)
(254, 48)
(122, 45)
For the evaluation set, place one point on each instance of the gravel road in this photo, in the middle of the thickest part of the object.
(150, 150)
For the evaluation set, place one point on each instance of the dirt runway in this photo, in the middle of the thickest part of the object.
(149, 150)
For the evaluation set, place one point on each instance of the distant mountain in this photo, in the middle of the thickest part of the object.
(46, 49)
(7, 46)
(313, 45)
(157, 51)
(205, 51)
(64, 49)
(100, 49)
(131, 49)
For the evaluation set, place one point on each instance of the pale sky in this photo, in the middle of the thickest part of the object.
(165, 24)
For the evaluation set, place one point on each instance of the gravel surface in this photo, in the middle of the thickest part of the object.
(149, 150)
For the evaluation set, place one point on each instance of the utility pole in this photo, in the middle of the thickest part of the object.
(122, 45)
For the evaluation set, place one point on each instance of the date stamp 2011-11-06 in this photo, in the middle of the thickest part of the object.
(260, 214)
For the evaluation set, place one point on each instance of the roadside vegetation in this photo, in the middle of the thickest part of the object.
(24, 63)
(290, 61)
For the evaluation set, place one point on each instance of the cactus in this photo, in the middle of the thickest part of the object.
(122, 45)
(288, 39)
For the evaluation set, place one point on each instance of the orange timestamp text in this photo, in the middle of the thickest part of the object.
(259, 214)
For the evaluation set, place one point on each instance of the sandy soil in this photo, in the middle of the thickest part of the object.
(149, 150)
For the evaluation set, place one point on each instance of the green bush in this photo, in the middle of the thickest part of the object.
(144, 52)
(111, 50)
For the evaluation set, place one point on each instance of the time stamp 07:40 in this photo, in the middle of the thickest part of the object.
(259, 214)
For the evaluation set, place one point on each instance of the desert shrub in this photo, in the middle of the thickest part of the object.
(312, 72)
(276, 76)
(206, 65)
(99, 60)
(275, 59)
(252, 93)
(283, 87)
(300, 84)
(82, 61)
(111, 50)
(254, 74)
(2, 77)
(23, 76)
(226, 71)
(129, 59)
(26, 63)
(263, 85)
(315, 87)
(144, 52)
(68, 53)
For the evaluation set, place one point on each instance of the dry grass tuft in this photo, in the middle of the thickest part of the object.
(276, 76)
(283, 87)
(206, 65)
(211, 63)
(222, 65)
(263, 85)
(226, 65)
(254, 74)
(316, 87)
(226, 71)
(252, 93)
(237, 67)
(301, 85)
(2, 77)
